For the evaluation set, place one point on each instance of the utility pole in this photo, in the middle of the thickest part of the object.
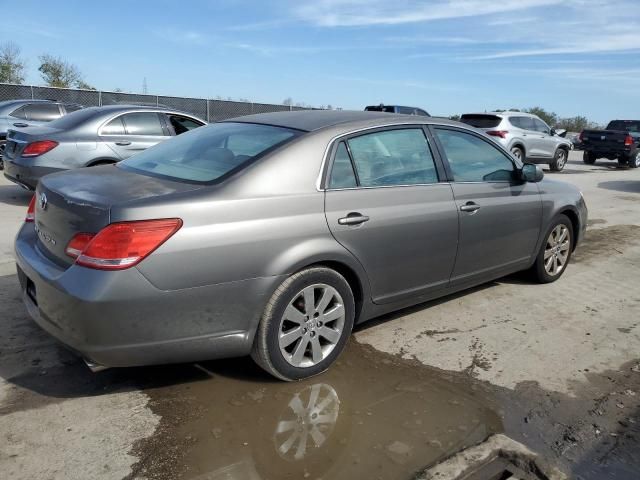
(144, 86)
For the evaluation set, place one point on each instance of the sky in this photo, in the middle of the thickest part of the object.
(574, 57)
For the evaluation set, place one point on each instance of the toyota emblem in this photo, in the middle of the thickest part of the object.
(43, 201)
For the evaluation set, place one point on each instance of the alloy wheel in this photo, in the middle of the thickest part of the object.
(561, 160)
(556, 252)
(517, 153)
(636, 160)
(311, 326)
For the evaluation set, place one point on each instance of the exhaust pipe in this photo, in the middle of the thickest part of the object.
(94, 367)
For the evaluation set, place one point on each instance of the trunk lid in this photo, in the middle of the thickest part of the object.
(80, 201)
(17, 139)
(605, 139)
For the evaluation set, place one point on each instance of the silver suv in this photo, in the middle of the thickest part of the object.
(525, 135)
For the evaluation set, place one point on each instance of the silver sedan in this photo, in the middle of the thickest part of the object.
(89, 137)
(273, 234)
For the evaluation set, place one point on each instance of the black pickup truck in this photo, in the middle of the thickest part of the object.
(620, 141)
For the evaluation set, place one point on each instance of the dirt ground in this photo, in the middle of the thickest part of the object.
(556, 367)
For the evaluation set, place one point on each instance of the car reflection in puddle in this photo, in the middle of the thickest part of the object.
(370, 416)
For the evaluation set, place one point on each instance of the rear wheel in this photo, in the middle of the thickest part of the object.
(588, 158)
(305, 325)
(634, 161)
(559, 160)
(555, 252)
(518, 153)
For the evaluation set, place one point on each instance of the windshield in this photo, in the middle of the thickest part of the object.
(625, 125)
(206, 154)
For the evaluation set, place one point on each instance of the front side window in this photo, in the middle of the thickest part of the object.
(182, 124)
(393, 157)
(540, 126)
(342, 175)
(143, 123)
(42, 112)
(472, 159)
(206, 154)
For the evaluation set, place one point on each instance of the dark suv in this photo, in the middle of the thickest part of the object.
(25, 113)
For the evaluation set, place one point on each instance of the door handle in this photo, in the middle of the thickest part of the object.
(353, 218)
(123, 144)
(470, 207)
(21, 125)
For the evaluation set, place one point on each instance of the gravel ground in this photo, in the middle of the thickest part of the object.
(559, 361)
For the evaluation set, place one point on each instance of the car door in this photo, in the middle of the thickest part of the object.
(500, 215)
(133, 132)
(384, 203)
(545, 143)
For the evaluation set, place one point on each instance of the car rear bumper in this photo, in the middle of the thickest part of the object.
(26, 176)
(119, 319)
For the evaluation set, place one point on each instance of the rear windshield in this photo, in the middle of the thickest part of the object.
(625, 125)
(74, 119)
(481, 121)
(207, 154)
(380, 108)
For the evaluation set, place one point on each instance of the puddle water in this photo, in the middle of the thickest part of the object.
(370, 416)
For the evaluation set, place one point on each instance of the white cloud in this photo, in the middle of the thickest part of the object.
(343, 13)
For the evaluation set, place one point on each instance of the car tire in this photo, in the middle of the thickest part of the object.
(518, 153)
(555, 251)
(559, 160)
(295, 340)
(634, 161)
(588, 158)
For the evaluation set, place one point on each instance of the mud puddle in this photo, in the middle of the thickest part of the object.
(602, 242)
(370, 416)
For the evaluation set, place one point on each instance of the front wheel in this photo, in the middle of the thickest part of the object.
(588, 158)
(555, 252)
(305, 325)
(559, 160)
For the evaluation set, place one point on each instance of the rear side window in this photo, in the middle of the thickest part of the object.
(42, 112)
(182, 124)
(114, 127)
(19, 113)
(472, 159)
(481, 121)
(393, 157)
(342, 175)
(143, 123)
(207, 154)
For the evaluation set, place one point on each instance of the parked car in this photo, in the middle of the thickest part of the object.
(90, 137)
(25, 113)
(619, 141)
(397, 109)
(272, 234)
(525, 135)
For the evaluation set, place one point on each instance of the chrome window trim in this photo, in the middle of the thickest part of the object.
(341, 136)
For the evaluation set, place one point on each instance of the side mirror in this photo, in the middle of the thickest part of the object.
(531, 173)
(552, 131)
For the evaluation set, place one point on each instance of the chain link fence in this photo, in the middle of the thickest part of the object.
(210, 110)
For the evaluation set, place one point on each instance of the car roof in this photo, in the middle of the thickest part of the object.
(311, 120)
(18, 101)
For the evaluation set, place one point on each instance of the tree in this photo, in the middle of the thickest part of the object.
(84, 85)
(455, 118)
(550, 118)
(12, 67)
(57, 72)
(287, 101)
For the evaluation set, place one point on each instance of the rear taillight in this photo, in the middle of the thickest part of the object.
(628, 141)
(34, 149)
(498, 133)
(581, 136)
(122, 245)
(77, 244)
(31, 211)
